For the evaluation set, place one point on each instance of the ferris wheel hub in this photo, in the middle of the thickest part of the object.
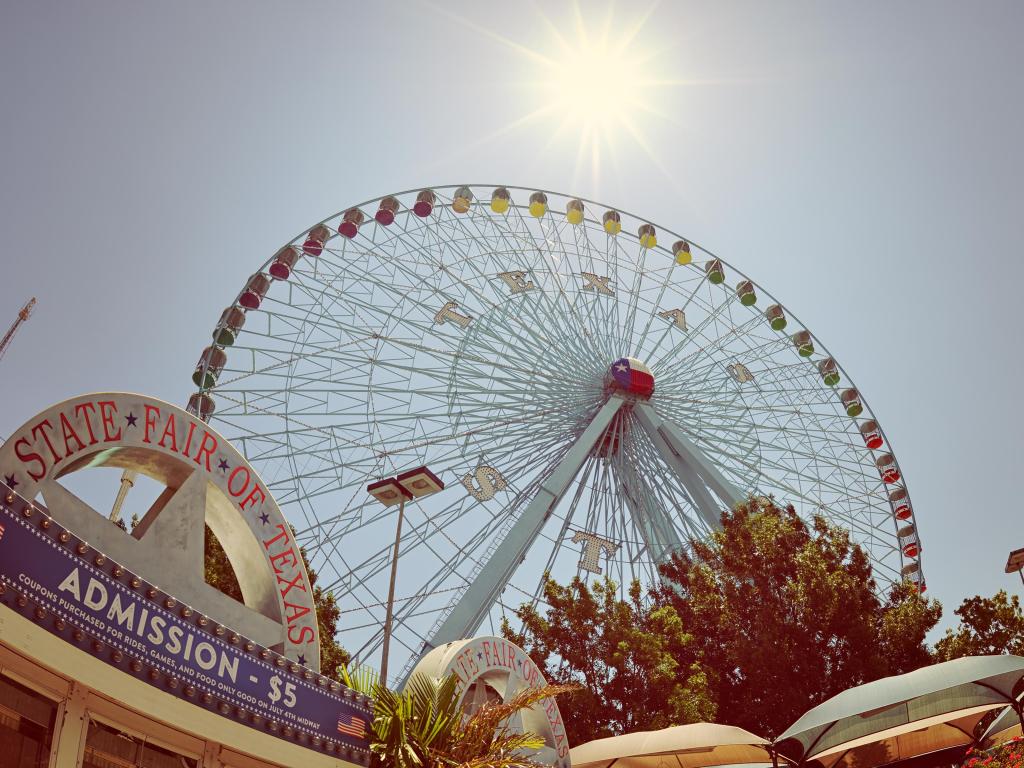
(631, 375)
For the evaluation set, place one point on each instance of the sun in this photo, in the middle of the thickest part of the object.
(595, 84)
(592, 80)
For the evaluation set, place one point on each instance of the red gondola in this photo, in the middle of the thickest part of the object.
(900, 504)
(285, 260)
(350, 222)
(255, 290)
(908, 540)
(201, 405)
(887, 468)
(316, 239)
(424, 204)
(872, 435)
(386, 212)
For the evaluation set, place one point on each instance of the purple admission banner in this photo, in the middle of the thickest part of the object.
(49, 575)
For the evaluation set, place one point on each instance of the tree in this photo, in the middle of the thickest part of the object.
(635, 661)
(988, 625)
(425, 726)
(786, 614)
(220, 574)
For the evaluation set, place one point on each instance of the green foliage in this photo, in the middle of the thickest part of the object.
(411, 726)
(425, 726)
(333, 658)
(786, 615)
(218, 570)
(636, 662)
(988, 625)
(752, 627)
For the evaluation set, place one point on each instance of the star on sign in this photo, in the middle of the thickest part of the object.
(621, 368)
(10, 480)
(223, 465)
(131, 418)
(264, 518)
(302, 660)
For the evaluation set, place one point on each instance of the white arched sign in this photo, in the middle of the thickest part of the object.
(207, 482)
(493, 669)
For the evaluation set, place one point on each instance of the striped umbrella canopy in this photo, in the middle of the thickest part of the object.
(697, 745)
(897, 718)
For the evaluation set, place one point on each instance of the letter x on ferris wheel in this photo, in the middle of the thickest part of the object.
(593, 389)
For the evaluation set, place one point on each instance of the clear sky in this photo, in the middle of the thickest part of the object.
(861, 161)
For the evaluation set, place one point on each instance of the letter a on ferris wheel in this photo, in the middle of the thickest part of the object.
(593, 389)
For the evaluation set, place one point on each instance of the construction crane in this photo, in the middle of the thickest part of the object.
(23, 315)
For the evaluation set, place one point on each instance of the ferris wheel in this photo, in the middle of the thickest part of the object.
(593, 390)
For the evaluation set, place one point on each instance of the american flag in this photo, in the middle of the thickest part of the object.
(352, 726)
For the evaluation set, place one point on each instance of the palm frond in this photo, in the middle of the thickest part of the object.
(426, 726)
(509, 751)
(487, 729)
(494, 714)
(362, 678)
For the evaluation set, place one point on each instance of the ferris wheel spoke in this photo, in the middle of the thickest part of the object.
(815, 433)
(578, 247)
(553, 308)
(788, 471)
(686, 372)
(598, 264)
(830, 459)
(552, 250)
(518, 466)
(373, 455)
(640, 278)
(639, 346)
(453, 355)
(650, 520)
(664, 487)
(715, 316)
(558, 540)
(675, 359)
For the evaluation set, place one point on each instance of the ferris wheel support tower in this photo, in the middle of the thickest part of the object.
(23, 315)
(702, 481)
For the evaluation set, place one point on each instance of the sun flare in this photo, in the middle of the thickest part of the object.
(595, 81)
(594, 84)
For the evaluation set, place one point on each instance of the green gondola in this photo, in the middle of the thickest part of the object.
(715, 271)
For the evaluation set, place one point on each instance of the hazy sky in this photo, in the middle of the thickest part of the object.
(861, 161)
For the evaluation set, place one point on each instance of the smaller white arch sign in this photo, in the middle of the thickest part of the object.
(493, 669)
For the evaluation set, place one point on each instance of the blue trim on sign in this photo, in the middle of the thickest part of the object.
(54, 578)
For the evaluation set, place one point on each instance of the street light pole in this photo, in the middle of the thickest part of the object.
(414, 484)
(391, 596)
(1015, 562)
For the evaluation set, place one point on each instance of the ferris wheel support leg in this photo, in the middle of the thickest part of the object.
(699, 476)
(483, 592)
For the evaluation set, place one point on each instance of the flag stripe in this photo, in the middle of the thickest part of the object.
(355, 727)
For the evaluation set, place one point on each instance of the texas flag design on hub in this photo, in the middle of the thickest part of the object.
(633, 376)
